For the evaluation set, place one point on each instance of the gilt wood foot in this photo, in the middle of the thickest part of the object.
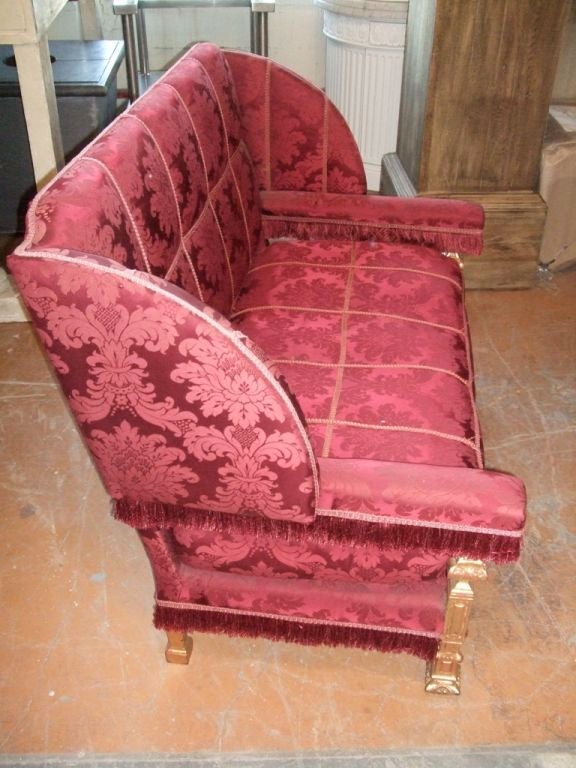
(443, 672)
(178, 648)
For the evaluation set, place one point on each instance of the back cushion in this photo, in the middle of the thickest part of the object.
(168, 188)
(297, 138)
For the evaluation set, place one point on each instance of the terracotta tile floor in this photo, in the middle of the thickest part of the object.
(81, 668)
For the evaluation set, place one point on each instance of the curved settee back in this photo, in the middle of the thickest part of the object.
(297, 138)
(171, 187)
(168, 189)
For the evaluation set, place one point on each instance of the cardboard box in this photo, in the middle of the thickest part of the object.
(558, 189)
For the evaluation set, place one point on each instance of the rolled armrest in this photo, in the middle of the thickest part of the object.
(473, 512)
(449, 225)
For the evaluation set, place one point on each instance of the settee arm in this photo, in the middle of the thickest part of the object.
(449, 225)
(184, 417)
(475, 513)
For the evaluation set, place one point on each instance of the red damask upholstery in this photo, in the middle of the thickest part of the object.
(296, 143)
(271, 369)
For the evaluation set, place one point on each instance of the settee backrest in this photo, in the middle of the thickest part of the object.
(168, 189)
(171, 188)
(296, 137)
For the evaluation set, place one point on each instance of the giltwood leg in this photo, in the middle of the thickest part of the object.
(443, 673)
(178, 648)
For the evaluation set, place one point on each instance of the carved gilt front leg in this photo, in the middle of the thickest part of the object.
(179, 647)
(443, 673)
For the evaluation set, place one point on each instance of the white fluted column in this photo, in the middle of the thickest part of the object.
(364, 60)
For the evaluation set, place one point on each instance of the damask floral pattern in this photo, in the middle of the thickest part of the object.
(192, 87)
(275, 558)
(297, 142)
(138, 171)
(223, 382)
(118, 375)
(450, 496)
(388, 374)
(140, 466)
(401, 606)
(327, 515)
(95, 223)
(173, 186)
(247, 483)
(170, 123)
(147, 375)
(217, 69)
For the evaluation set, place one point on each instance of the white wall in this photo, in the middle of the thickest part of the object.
(295, 33)
(296, 39)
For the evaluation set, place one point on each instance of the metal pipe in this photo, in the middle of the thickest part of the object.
(259, 40)
(252, 32)
(130, 50)
(194, 3)
(143, 57)
(257, 32)
(260, 11)
(264, 42)
(127, 9)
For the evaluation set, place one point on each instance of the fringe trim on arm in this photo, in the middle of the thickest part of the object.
(459, 541)
(443, 238)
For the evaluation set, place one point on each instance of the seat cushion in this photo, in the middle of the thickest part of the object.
(372, 338)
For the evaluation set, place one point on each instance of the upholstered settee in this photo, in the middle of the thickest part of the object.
(271, 368)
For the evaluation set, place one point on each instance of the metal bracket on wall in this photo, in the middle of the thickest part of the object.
(135, 38)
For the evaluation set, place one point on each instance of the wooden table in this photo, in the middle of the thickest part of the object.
(24, 24)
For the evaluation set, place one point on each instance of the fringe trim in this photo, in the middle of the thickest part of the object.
(192, 619)
(443, 238)
(476, 544)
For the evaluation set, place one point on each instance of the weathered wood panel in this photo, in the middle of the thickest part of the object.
(491, 76)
